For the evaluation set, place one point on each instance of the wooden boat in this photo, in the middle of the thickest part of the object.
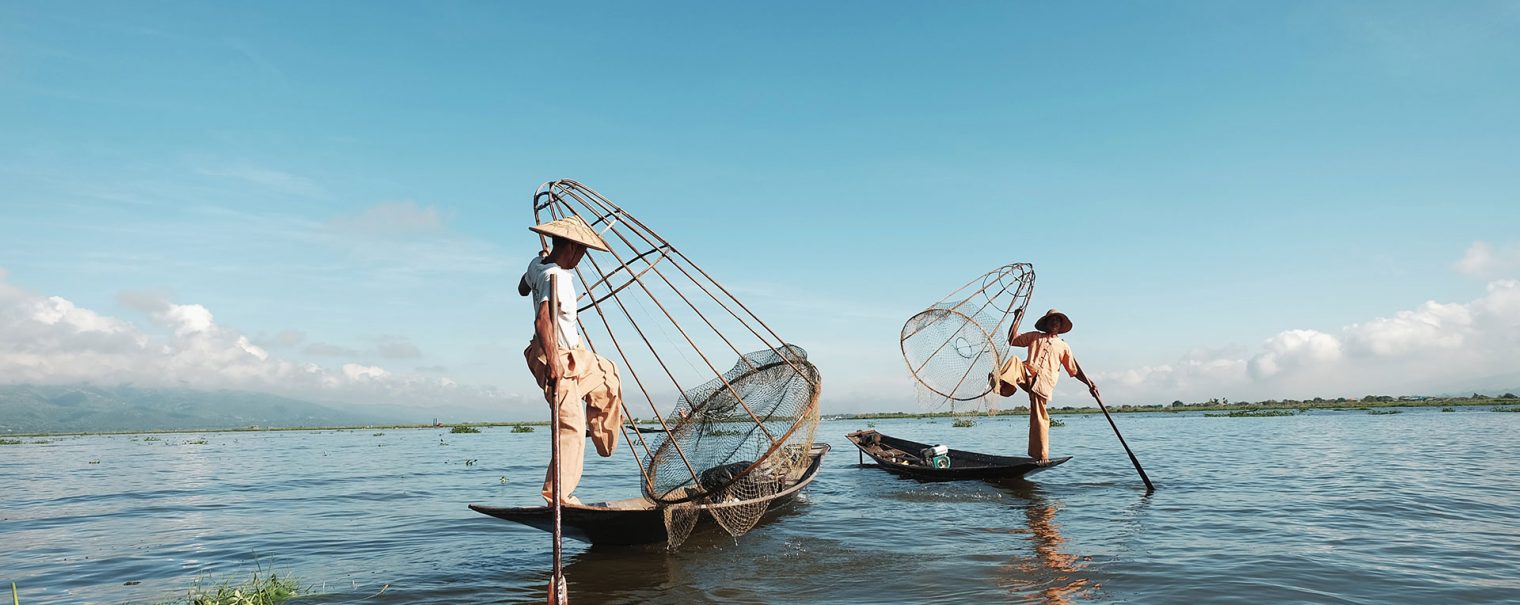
(901, 456)
(639, 520)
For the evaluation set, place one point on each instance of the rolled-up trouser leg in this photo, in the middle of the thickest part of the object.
(570, 430)
(1039, 427)
(604, 404)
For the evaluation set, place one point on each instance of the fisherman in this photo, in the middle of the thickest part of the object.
(564, 369)
(1048, 354)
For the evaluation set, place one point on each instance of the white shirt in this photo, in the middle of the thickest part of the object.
(537, 276)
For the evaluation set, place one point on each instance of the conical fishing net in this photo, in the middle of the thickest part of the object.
(956, 344)
(742, 428)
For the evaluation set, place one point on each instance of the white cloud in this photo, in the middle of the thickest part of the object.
(393, 219)
(1432, 326)
(1295, 349)
(51, 340)
(1483, 259)
(275, 180)
(1435, 347)
(357, 372)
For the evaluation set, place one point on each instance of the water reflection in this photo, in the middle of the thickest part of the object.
(1050, 573)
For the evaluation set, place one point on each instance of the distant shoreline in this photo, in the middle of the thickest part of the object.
(1323, 404)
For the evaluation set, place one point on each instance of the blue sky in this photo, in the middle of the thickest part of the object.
(1247, 199)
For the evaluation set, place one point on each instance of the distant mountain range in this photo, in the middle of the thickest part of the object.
(93, 408)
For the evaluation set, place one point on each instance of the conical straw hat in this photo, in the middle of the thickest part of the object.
(575, 229)
(1063, 323)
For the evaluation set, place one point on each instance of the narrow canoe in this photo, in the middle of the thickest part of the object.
(901, 456)
(638, 520)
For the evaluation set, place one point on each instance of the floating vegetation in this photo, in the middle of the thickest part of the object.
(464, 428)
(870, 425)
(270, 590)
(95, 461)
(522, 428)
(196, 442)
(378, 435)
(503, 479)
(1057, 422)
(10, 442)
(1509, 409)
(723, 433)
(1251, 414)
(151, 438)
(41, 442)
(1384, 412)
(470, 461)
(962, 423)
(1448, 409)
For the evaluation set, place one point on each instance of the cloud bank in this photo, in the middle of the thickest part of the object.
(51, 340)
(1431, 349)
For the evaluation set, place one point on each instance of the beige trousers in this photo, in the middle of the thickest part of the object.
(1039, 427)
(590, 382)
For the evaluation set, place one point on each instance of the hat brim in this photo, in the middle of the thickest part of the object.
(585, 237)
(1063, 323)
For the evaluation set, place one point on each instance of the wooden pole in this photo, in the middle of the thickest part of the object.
(558, 595)
(1132, 459)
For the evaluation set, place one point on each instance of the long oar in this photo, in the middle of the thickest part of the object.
(1133, 460)
(558, 595)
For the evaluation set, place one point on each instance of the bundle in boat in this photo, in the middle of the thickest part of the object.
(745, 402)
(955, 344)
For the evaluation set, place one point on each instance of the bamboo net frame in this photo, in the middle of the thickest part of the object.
(952, 346)
(666, 323)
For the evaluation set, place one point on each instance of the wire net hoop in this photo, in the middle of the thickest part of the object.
(954, 347)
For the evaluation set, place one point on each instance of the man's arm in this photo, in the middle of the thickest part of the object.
(1075, 370)
(1013, 328)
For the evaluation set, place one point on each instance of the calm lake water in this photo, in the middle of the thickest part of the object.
(1325, 507)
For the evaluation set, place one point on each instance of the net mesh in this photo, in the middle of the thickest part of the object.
(760, 410)
(953, 347)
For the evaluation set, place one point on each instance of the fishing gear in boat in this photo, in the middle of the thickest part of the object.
(737, 406)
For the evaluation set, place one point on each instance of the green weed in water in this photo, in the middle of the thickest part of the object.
(258, 590)
(152, 439)
(1057, 422)
(1384, 412)
(1251, 414)
(462, 428)
(1448, 409)
(378, 435)
(724, 433)
(522, 428)
(1512, 409)
(962, 423)
(10, 442)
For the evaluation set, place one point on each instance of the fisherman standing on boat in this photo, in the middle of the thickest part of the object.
(562, 367)
(1048, 354)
